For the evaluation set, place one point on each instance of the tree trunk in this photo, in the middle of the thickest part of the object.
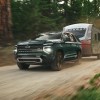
(5, 22)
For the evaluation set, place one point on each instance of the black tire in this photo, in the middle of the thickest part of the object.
(22, 66)
(57, 63)
(79, 56)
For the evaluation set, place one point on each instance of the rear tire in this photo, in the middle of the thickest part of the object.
(22, 66)
(57, 63)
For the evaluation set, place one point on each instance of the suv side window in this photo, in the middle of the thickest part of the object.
(69, 37)
(65, 37)
(73, 39)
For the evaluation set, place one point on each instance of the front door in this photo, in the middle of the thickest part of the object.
(70, 47)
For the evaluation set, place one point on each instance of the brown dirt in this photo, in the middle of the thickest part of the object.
(39, 83)
(6, 56)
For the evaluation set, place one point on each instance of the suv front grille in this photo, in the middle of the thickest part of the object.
(30, 49)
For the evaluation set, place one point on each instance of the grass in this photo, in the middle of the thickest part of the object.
(87, 94)
(92, 93)
(95, 79)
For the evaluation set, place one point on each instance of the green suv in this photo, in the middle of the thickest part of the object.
(50, 49)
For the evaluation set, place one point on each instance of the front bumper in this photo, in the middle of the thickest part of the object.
(35, 58)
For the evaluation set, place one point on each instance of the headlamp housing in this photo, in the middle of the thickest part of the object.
(47, 49)
(15, 50)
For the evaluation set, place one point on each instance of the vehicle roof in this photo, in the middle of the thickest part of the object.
(78, 25)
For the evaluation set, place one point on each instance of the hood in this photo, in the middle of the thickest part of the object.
(55, 40)
(40, 42)
(29, 42)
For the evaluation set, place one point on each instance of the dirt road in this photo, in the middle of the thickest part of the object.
(37, 81)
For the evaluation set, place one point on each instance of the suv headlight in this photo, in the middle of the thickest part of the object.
(15, 50)
(47, 49)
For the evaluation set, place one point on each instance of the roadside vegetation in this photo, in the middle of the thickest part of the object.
(89, 91)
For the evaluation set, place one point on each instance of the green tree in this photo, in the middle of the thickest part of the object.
(90, 9)
(95, 9)
(72, 10)
(34, 16)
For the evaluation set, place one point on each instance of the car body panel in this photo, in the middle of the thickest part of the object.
(43, 51)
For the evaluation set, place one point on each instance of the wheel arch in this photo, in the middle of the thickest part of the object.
(60, 50)
(79, 52)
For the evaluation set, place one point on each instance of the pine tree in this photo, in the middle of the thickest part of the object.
(72, 11)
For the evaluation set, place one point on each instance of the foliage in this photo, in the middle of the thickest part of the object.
(87, 94)
(92, 81)
(92, 93)
(72, 11)
(34, 16)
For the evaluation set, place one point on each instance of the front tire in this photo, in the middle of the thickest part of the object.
(79, 56)
(22, 66)
(57, 63)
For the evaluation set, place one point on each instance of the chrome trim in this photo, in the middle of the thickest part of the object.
(29, 60)
(27, 46)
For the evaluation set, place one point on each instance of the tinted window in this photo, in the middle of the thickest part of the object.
(79, 32)
(74, 40)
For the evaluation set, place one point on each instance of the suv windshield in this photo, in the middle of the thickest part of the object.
(48, 36)
(79, 32)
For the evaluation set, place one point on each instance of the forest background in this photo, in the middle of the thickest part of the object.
(30, 17)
